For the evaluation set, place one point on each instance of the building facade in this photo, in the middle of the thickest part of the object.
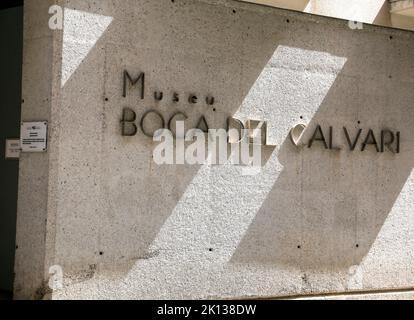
(329, 211)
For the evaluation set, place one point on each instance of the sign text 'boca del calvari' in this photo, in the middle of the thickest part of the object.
(357, 139)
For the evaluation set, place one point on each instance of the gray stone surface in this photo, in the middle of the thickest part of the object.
(402, 295)
(35, 169)
(313, 221)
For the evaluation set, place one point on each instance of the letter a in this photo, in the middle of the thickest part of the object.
(56, 20)
(164, 152)
(316, 138)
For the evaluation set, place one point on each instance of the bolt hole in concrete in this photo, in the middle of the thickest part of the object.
(299, 247)
(234, 11)
(211, 250)
(101, 253)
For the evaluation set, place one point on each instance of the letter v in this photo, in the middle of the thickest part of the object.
(352, 145)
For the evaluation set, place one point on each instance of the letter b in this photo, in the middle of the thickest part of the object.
(128, 126)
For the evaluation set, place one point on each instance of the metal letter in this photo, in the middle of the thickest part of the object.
(128, 126)
(173, 117)
(352, 145)
(398, 142)
(133, 82)
(387, 143)
(146, 114)
(193, 99)
(296, 133)
(203, 122)
(210, 101)
(241, 130)
(331, 140)
(370, 139)
(254, 127)
(158, 95)
(176, 98)
(314, 137)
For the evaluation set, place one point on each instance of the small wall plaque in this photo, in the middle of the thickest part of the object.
(12, 149)
(33, 136)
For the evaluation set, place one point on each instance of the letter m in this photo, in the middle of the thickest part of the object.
(132, 82)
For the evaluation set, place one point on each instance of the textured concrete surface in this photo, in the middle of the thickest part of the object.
(312, 222)
(403, 295)
(399, 5)
(368, 11)
(35, 169)
(387, 13)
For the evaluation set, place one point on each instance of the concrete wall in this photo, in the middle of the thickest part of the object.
(376, 12)
(35, 197)
(364, 11)
(313, 221)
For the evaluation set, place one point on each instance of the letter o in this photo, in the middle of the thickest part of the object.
(146, 114)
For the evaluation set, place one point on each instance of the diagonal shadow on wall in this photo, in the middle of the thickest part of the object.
(135, 197)
(327, 208)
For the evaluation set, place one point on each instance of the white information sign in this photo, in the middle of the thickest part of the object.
(12, 149)
(33, 136)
